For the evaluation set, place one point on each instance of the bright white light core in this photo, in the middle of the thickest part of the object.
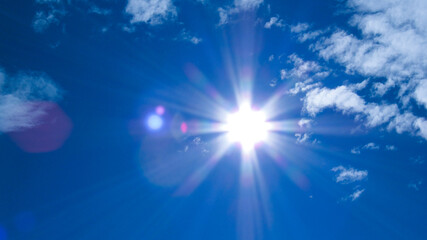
(247, 127)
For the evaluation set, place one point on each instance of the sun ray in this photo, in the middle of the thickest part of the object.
(200, 174)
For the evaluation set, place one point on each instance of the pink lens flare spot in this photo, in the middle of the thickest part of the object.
(184, 127)
(51, 130)
(160, 110)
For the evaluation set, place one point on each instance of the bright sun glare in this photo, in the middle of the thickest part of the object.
(247, 127)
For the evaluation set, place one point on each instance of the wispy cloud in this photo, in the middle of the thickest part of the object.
(152, 12)
(301, 30)
(302, 137)
(390, 147)
(18, 99)
(100, 11)
(305, 138)
(226, 12)
(305, 123)
(274, 21)
(300, 27)
(355, 150)
(306, 74)
(415, 185)
(354, 195)
(368, 146)
(349, 175)
(50, 13)
(371, 146)
(184, 35)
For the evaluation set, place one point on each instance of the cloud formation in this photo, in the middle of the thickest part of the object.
(392, 34)
(238, 6)
(274, 21)
(355, 195)
(346, 100)
(50, 14)
(304, 73)
(18, 99)
(349, 175)
(370, 146)
(184, 35)
(152, 12)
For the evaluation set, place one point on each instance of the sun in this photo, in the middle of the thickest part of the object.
(247, 127)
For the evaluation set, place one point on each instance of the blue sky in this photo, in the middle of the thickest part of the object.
(114, 119)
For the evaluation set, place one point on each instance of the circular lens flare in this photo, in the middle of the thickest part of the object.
(154, 122)
(247, 127)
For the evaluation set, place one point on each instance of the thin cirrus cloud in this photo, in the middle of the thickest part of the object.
(18, 97)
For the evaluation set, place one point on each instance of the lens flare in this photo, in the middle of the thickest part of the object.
(154, 122)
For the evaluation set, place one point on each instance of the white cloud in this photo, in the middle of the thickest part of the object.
(390, 147)
(340, 98)
(225, 13)
(344, 99)
(302, 68)
(421, 92)
(305, 123)
(356, 194)
(273, 82)
(271, 58)
(184, 35)
(152, 12)
(379, 114)
(359, 86)
(305, 138)
(247, 4)
(309, 35)
(349, 175)
(421, 124)
(274, 21)
(302, 137)
(355, 150)
(368, 146)
(18, 100)
(303, 35)
(305, 73)
(371, 146)
(300, 27)
(391, 45)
